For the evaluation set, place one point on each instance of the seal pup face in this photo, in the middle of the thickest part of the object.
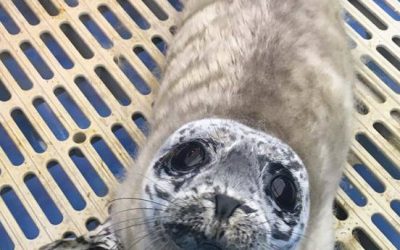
(218, 184)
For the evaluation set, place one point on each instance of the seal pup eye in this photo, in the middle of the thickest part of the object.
(284, 192)
(188, 157)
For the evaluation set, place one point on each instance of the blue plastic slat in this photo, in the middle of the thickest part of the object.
(133, 76)
(8, 22)
(16, 71)
(26, 11)
(9, 147)
(88, 172)
(369, 177)
(5, 240)
(353, 192)
(387, 229)
(19, 212)
(37, 61)
(57, 51)
(105, 153)
(96, 31)
(41, 196)
(51, 119)
(375, 152)
(113, 86)
(67, 187)
(4, 93)
(141, 122)
(92, 96)
(114, 21)
(126, 141)
(29, 131)
(72, 108)
(134, 14)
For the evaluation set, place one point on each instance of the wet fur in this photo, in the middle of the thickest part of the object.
(282, 67)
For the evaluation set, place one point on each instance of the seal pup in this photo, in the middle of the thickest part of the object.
(250, 131)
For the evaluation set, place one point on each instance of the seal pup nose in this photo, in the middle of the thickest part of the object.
(225, 206)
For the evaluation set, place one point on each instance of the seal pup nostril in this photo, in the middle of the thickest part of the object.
(225, 206)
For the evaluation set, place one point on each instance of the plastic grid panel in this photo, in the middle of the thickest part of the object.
(72, 71)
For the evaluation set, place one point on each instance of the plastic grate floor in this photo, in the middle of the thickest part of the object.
(73, 71)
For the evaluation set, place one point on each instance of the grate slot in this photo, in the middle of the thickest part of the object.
(160, 44)
(19, 212)
(134, 14)
(356, 26)
(113, 164)
(125, 139)
(5, 95)
(50, 119)
(92, 224)
(8, 22)
(386, 133)
(67, 187)
(389, 9)
(49, 6)
(156, 9)
(69, 235)
(115, 22)
(389, 56)
(72, 3)
(133, 76)
(26, 11)
(141, 122)
(88, 172)
(6, 242)
(148, 61)
(113, 86)
(339, 211)
(379, 156)
(387, 229)
(368, 14)
(10, 148)
(29, 131)
(369, 177)
(395, 114)
(353, 192)
(395, 205)
(16, 71)
(91, 95)
(176, 4)
(77, 41)
(72, 108)
(364, 239)
(383, 75)
(41, 196)
(37, 61)
(57, 51)
(370, 89)
(96, 31)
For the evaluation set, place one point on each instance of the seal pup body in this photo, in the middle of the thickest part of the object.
(281, 68)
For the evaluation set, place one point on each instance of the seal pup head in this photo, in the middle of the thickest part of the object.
(218, 184)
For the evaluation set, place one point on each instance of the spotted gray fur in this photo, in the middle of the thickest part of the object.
(230, 169)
